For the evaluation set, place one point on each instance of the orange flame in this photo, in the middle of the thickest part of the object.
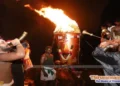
(57, 16)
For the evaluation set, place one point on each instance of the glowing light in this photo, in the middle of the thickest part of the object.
(59, 18)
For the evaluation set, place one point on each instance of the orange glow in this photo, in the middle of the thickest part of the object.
(67, 42)
(57, 16)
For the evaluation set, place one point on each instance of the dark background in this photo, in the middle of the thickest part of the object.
(89, 14)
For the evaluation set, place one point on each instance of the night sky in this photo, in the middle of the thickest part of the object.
(89, 14)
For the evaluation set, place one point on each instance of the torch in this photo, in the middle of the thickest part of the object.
(24, 34)
(66, 34)
(90, 34)
(68, 47)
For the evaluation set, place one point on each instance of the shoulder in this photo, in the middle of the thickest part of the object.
(43, 55)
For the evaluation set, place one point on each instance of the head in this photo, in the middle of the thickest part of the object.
(26, 44)
(48, 49)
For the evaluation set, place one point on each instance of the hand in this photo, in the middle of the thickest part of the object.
(117, 41)
(104, 44)
(15, 42)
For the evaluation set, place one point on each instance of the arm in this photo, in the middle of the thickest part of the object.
(19, 54)
(42, 68)
(42, 59)
(102, 55)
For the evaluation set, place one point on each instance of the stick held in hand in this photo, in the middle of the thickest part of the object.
(23, 36)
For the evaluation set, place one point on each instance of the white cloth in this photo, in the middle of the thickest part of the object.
(50, 76)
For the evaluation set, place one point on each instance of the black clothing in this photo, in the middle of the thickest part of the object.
(17, 72)
(110, 62)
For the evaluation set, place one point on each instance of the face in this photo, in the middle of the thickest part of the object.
(49, 50)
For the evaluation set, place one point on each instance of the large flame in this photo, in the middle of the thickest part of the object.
(57, 16)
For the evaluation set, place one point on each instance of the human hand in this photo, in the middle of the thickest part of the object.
(104, 44)
(15, 42)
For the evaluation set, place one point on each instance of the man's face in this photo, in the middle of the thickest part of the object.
(49, 50)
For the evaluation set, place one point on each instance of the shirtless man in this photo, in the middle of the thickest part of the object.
(5, 60)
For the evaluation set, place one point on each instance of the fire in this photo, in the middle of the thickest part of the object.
(57, 16)
(67, 42)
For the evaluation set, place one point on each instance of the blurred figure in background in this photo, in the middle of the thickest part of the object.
(19, 67)
(48, 74)
(27, 63)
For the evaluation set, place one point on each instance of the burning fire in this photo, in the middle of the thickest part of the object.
(57, 16)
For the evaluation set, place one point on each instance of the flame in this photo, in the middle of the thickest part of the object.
(57, 16)
(67, 42)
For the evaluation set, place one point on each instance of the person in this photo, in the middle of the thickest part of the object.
(108, 55)
(6, 56)
(19, 67)
(27, 63)
(48, 74)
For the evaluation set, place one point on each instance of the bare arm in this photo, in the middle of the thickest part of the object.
(42, 59)
(19, 54)
(100, 54)
(42, 68)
